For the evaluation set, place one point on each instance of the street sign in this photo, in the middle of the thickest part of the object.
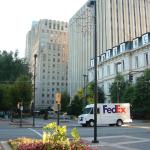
(58, 97)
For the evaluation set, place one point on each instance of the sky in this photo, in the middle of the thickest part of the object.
(16, 18)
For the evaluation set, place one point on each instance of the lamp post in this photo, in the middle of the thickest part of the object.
(84, 101)
(35, 56)
(92, 3)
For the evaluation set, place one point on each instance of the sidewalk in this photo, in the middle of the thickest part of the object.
(40, 122)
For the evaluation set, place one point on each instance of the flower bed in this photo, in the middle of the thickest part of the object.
(54, 138)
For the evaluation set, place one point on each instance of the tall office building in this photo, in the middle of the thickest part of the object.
(123, 46)
(48, 39)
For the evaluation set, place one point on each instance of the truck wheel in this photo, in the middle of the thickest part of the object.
(84, 125)
(91, 123)
(119, 122)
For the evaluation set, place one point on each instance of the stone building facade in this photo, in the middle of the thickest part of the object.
(48, 39)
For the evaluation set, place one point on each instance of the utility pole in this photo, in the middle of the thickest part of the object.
(85, 100)
(92, 3)
(35, 57)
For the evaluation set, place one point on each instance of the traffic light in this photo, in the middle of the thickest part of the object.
(130, 77)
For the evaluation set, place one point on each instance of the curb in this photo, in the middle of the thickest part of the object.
(5, 145)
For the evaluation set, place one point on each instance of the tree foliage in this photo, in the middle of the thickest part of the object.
(65, 100)
(76, 106)
(11, 67)
(22, 91)
(117, 89)
(90, 93)
(15, 80)
(137, 94)
(141, 102)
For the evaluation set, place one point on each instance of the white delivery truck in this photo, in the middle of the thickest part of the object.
(107, 114)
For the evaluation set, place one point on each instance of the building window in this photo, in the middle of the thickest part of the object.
(57, 26)
(123, 65)
(50, 25)
(49, 46)
(108, 70)
(44, 56)
(102, 72)
(146, 59)
(118, 67)
(52, 95)
(109, 87)
(46, 22)
(136, 62)
(54, 26)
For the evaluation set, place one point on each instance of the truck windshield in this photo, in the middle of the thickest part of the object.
(87, 110)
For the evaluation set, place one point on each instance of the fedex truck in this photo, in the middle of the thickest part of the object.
(107, 114)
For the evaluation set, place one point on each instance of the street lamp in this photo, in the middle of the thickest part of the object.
(92, 3)
(84, 101)
(35, 56)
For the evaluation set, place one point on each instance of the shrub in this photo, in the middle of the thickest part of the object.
(54, 138)
(21, 141)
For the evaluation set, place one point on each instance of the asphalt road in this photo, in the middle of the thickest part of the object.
(136, 137)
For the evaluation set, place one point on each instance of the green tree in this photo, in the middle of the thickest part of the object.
(129, 93)
(22, 91)
(11, 67)
(141, 102)
(5, 98)
(65, 100)
(90, 93)
(117, 89)
(76, 106)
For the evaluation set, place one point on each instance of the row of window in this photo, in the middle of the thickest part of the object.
(145, 39)
(54, 33)
(47, 102)
(54, 77)
(120, 66)
(53, 25)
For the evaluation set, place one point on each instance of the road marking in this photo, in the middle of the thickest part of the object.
(38, 133)
(119, 145)
(142, 127)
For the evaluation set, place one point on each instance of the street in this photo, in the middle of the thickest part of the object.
(132, 137)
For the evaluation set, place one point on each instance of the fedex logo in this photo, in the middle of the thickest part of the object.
(116, 109)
